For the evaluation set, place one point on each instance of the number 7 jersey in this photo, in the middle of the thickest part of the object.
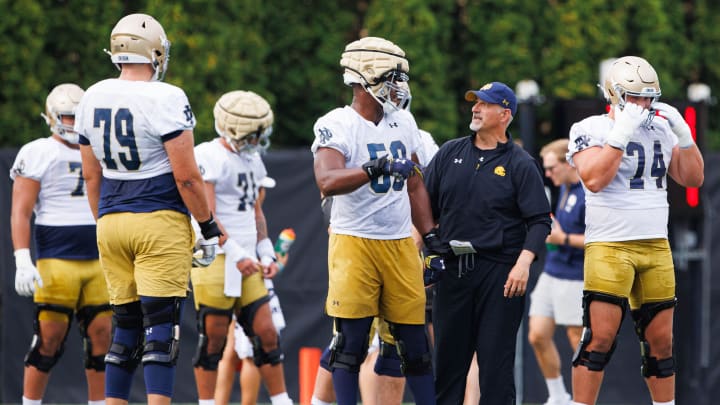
(634, 205)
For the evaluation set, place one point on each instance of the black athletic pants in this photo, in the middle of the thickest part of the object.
(471, 314)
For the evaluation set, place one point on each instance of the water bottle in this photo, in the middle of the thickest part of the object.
(284, 241)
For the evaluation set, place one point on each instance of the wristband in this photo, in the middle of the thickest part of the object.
(234, 252)
(265, 248)
(209, 228)
(567, 239)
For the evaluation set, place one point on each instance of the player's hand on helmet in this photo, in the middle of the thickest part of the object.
(677, 123)
(210, 228)
(204, 252)
(627, 120)
(26, 274)
(433, 269)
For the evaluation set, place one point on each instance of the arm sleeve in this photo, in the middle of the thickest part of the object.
(330, 134)
(538, 230)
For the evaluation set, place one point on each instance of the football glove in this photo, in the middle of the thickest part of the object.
(386, 165)
(677, 124)
(26, 274)
(433, 243)
(627, 121)
(434, 269)
(204, 252)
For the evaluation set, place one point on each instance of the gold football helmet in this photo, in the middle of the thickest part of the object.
(139, 38)
(378, 65)
(242, 117)
(631, 75)
(62, 101)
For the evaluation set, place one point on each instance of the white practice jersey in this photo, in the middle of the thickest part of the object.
(428, 148)
(237, 178)
(125, 123)
(379, 209)
(58, 168)
(634, 205)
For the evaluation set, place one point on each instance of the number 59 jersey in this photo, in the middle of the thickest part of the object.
(126, 123)
(634, 205)
(381, 208)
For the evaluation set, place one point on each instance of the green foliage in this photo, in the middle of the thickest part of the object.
(288, 51)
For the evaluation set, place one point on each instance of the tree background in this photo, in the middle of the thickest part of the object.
(288, 51)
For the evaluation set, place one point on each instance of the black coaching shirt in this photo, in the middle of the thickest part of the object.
(493, 198)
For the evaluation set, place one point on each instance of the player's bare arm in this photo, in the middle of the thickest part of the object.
(92, 173)
(24, 194)
(687, 167)
(420, 205)
(598, 166)
(187, 175)
(333, 177)
(270, 268)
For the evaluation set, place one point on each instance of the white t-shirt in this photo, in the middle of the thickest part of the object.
(62, 200)
(379, 209)
(634, 205)
(237, 178)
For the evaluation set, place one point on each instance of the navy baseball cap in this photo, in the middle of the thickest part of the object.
(494, 93)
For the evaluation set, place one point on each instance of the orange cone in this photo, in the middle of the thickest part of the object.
(309, 361)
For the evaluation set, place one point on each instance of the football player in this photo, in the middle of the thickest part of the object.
(365, 158)
(68, 279)
(623, 159)
(136, 142)
(233, 170)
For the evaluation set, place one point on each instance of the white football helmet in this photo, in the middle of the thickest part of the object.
(241, 117)
(630, 75)
(139, 38)
(378, 65)
(62, 101)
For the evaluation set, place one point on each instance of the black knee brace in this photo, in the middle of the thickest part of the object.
(595, 361)
(162, 311)
(33, 357)
(413, 349)
(651, 366)
(85, 316)
(388, 360)
(349, 344)
(126, 316)
(203, 359)
(261, 357)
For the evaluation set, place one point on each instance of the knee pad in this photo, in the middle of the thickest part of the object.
(85, 316)
(652, 366)
(413, 349)
(325, 359)
(33, 357)
(126, 355)
(595, 361)
(202, 358)
(388, 360)
(349, 344)
(159, 314)
(261, 357)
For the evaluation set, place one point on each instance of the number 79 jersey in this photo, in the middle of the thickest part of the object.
(126, 123)
(381, 208)
(634, 205)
